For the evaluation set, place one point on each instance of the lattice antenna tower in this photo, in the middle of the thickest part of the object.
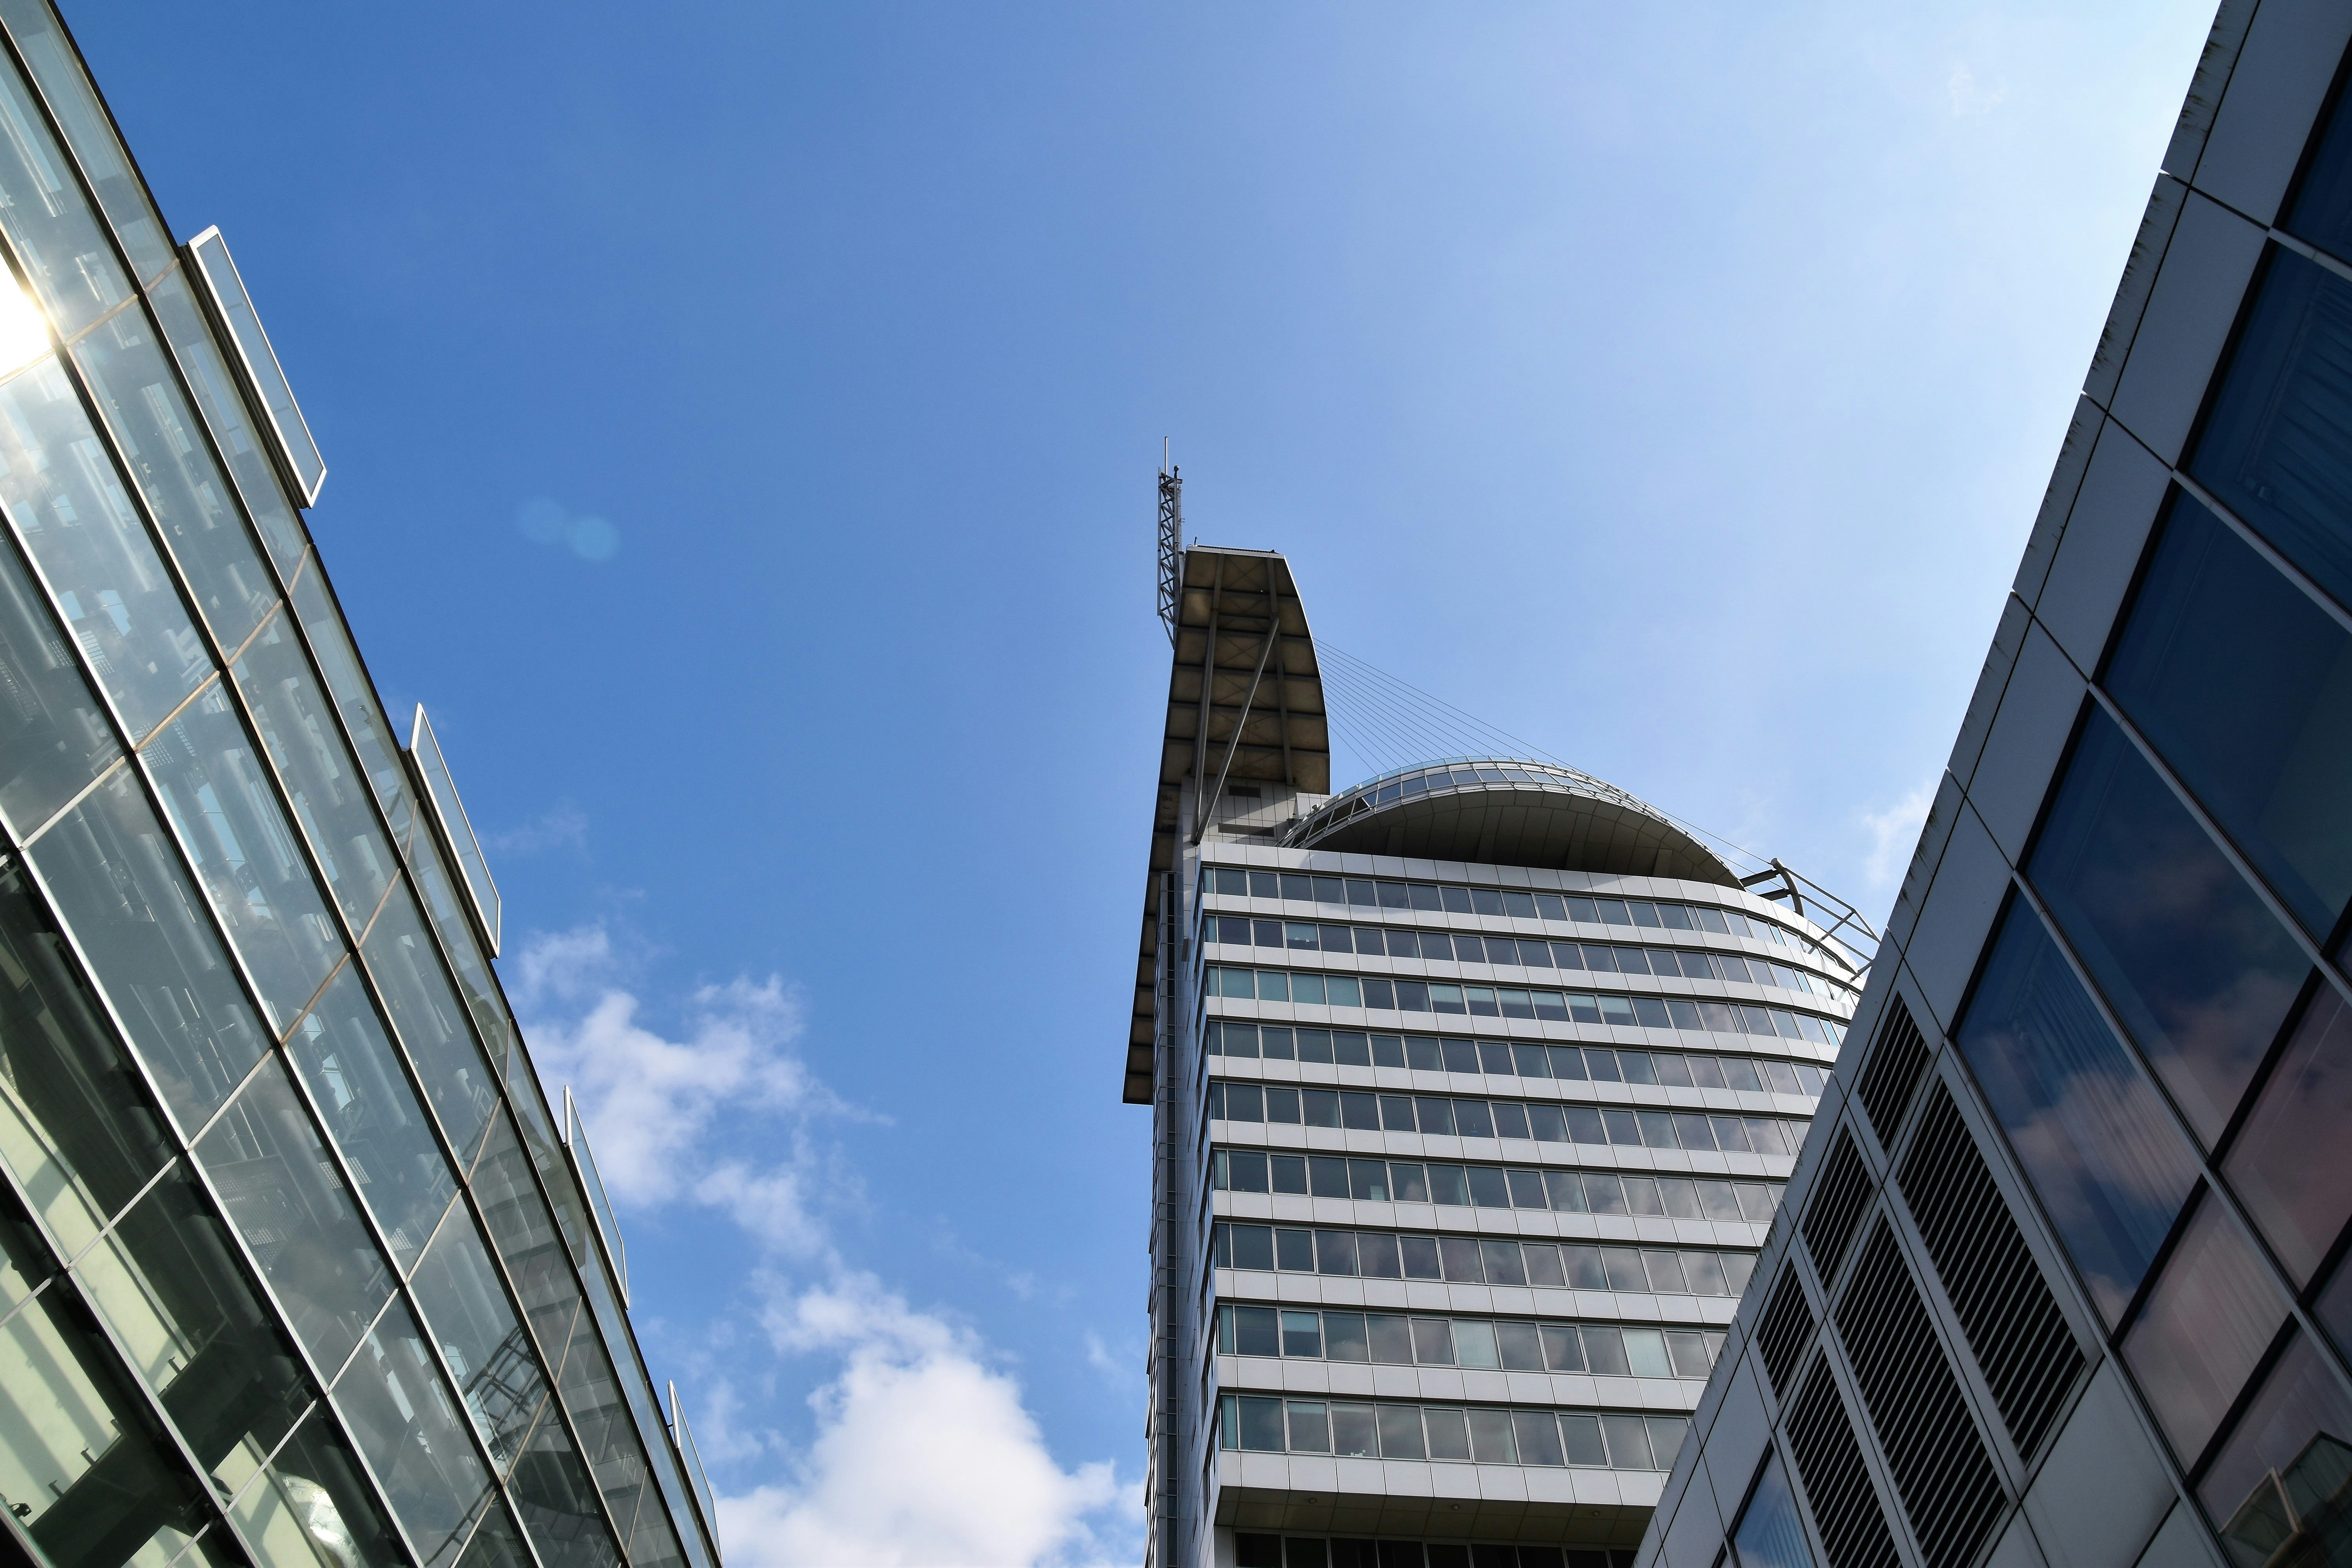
(1171, 540)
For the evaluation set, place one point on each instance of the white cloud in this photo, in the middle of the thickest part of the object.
(1893, 834)
(565, 827)
(923, 1452)
(648, 1100)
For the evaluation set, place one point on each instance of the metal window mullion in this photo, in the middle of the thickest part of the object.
(443, 836)
(121, 143)
(555, 1405)
(310, 562)
(71, 159)
(127, 1368)
(657, 1443)
(237, 960)
(555, 1228)
(105, 222)
(186, 1154)
(2216, 1190)
(401, 1291)
(359, 1454)
(2228, 846)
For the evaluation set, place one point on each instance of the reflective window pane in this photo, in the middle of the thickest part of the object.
(83, 1465)
(119, 884)
(298, 727)
(282, 1192)
(2213, 1314)
(402, 1417)
(482, 998)
(189, 337)
(485, 1344)
(2273, 450)
(2291, 1164)
(525, 1236)
(54, 737)
(76, 1127)
(497, 1542)
(557, 1499)
(2199, 972)
(430, 1021)
(373, 1113)
(312, 1506)
(2278, 1488)
(230, 825)
(89, 135)
(197, 1330)
(61, 492)
(364, 719)
(49, 224)
(2109, 1165)
(2244, 685)
(155, 432)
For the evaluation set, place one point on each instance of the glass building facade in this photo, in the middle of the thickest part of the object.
(2059, 1279)
(296, 1267)
(1473, 1089)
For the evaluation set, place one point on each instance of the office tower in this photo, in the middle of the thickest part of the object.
(2058, 1281)
(1473, 1090)
(298, 1267)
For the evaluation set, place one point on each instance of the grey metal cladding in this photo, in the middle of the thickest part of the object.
(1837, 1482)
(1892, 1073)
(2276, 86)
(2156, 226)
(1784, 1331)
(1948, 1482)
(1838, 1201)
(2214, 63)
(2020, 1340)
(2190, 310)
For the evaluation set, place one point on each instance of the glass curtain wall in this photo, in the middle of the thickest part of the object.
(2161, 1022)
(295, 1265)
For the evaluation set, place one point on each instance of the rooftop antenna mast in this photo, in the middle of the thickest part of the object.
(1171, 540)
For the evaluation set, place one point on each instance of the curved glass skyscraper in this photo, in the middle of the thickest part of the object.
(1474, 1088)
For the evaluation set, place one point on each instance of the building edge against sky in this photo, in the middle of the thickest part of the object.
(1471, 1090)
(2059, 1278)
(297, 1266)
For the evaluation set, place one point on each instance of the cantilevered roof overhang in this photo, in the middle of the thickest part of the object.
(1505, 811)
(1245, 705)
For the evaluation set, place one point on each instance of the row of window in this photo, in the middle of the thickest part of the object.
(1511, 1058)
(1553, 1439)
(1593, 1126)
(1312, 1552)
(1482, 1261)
(1391, 1338)
(1510, 1001)
(1461, 947)
(1494, 1186)
(1509, 902)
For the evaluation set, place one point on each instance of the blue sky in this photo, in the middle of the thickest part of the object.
(742, 421)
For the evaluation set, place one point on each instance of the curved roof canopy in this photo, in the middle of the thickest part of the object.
(1503, 810)
(1245, 705)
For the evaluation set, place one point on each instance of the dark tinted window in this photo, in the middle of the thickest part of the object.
(2196, 968)
(2244, 685)
(2085, 1120)
(2273, 449)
